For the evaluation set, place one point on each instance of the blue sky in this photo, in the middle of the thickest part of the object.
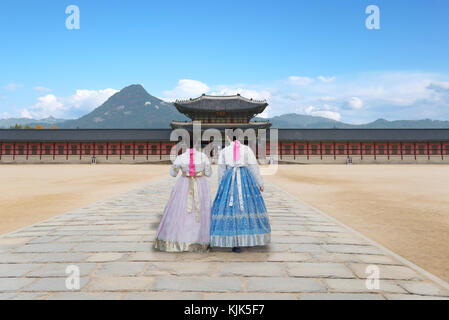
(311, 57)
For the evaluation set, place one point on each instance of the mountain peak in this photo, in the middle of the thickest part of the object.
(134, 89)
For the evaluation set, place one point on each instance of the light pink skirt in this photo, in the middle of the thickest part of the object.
(179, 229)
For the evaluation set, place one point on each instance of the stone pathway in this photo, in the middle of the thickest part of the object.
(311, 257)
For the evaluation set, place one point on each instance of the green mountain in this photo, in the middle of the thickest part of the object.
(407, 124)
(6, 123)
(132, 107)
(300, 121)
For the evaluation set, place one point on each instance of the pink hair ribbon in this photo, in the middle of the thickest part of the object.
(236, 150)
(191, 164)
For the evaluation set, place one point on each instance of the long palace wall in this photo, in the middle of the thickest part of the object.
(288, 152)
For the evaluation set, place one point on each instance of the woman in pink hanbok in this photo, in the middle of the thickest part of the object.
(185, 225)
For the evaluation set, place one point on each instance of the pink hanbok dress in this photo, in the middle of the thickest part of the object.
(185, 225)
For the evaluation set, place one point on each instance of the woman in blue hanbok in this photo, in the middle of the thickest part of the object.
(239, 215)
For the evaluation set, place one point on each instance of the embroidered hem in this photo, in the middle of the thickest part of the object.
(244, 240)
(169, 246)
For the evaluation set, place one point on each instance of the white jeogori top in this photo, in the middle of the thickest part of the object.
(247, 159)
(202, 164)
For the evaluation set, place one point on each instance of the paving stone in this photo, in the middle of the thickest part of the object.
(84, 238)
(249, 296)
(6, 242)
(309, 257)
(46, 247)
(85, 296)
(117, 238)
(25, 234)
(307, 248)
(29, 296)
(280, 233)
(122, 284)
(153, 256)
(423, 288)
(289, 256)
(16, 257)
(340, 296)
(16, 270)
(60, 257)
(59, 270)
(120, 269)
(319, 270)
(213, 256)
(268, 284)
(386, 272)
(346, 248)
(374, 259)
(53, 284)
(336, 257)
(111, 247)
(326, 229)
(164, 296)
(222, 284)
(359, 285)
(45, 239)
(182, 268)
(393, 296)
(105, 257)
(295, 239)
(345, 240)
(272, 247)
(13, 284)
(256, 269)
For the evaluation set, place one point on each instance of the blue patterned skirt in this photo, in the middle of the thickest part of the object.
(233, 227)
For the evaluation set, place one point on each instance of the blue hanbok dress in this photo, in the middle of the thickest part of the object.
(239, 215)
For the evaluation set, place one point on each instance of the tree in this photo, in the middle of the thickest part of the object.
(38, 126)
(18, 126)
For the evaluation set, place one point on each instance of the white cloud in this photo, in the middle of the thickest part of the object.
(41, 89)
(82, 102)
(439, 86)
(5, 115)
(325, 79)
(355, 103)
(247, 93)
(353, 98)
(13, 86)
(185, 89)
(313, 111)
(328, 98)
(300, 81)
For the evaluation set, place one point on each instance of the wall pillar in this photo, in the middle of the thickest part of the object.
(388, 150)
(414, 149)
